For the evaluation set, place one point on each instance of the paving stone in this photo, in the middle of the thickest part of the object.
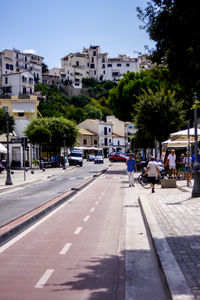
(178, 216)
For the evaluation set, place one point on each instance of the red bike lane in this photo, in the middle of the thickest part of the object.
(76, 252)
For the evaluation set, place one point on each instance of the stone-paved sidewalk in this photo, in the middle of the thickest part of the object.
(177, 217)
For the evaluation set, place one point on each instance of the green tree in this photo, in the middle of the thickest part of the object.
(174, 26)
(39, 135)
(158, 114)
(3, 120)
(93, 112)
(124, 97)
(44, 68)
(57, 127)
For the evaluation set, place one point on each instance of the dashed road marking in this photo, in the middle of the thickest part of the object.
(96, 203)
(45, 277)
(65, 249)
(86, 219)
(99, 197)
(78, 230)
(92, 209)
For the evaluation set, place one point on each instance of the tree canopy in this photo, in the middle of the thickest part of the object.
(55, 129)
(124, 97)
(158, 114)
(174, 26)
(3, 120)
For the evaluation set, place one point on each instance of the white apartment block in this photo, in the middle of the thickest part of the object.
(104, 133)
(14, 61)
(18, 83)
(91, 63)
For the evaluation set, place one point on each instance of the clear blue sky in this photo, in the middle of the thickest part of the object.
(54, 28)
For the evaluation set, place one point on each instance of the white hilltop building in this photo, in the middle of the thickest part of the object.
(91, 63)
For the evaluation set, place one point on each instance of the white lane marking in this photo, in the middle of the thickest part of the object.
(65, 249)
(99, 197)
(96, 203)
(78, 230)
(92, 209)
(45, 277)
(86, 219)
(102, 193)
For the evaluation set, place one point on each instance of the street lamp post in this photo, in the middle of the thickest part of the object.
(64, 164)
(196, 166)
(8, 177)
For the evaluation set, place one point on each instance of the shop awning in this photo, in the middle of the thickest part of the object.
(3, 149)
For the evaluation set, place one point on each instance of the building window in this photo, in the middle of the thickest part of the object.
(128, 65)
(92, 66)
(118, 142)
(94, 53)
(6, 80)
(25, 66)
(95, 142)
(24, 90)
(11, 67)
(84, 142)
(109, 129)
(76, 84)
(25, 58)
(105, 131)
(106, 142)
(92, 59)
(20, 114)
(103, 66)
(95, 72)
(119, 65)
(7, 66)
(104, 72)
(77, 63)
(5, 108)
(109, 65)
(110, 141)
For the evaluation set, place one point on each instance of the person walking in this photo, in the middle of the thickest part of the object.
(181, 167)
(153, 171)
(188, 167)
(172, 164)
(131, 167)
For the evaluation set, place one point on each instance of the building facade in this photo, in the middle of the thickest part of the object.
(122, 133)
(18, 83)
(103, 131)
(23, 111)
(91, 63)
(15, 62)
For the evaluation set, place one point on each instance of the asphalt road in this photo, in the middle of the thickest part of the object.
(20, 201)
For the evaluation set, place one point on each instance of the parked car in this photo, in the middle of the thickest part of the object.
(98, 159)
(1, 167)
(91, 157)
(118, 157)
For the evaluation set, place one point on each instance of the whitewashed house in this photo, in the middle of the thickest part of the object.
(14, 62)
(18, 83)
(103, 131)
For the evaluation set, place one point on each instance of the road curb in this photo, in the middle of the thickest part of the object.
(175, 280)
